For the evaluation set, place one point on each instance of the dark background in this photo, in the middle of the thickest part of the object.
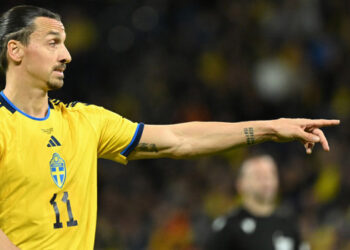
(162, 61)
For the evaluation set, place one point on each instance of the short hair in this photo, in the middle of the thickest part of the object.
(18, 24)
(251, 159)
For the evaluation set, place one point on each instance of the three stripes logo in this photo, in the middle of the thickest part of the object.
(53, 142)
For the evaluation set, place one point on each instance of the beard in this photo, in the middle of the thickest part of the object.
(55, 84)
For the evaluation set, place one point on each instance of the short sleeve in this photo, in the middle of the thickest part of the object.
(118, 136)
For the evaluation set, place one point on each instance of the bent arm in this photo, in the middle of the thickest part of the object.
(5, 243)
(201, 138)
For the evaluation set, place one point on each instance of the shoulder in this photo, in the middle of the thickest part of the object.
(5, 108)
(285, 216)
(226, 220)
(92, 114)
(4, 122)
(5, 115)
(285, 213)
(75, 107)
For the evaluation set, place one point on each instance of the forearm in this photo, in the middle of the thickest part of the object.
(5, 243)
(201, 138)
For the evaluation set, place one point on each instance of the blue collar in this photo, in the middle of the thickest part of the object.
(12, 108)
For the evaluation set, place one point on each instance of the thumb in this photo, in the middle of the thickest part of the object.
(309, 146)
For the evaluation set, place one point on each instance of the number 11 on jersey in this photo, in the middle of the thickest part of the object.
(58, 223)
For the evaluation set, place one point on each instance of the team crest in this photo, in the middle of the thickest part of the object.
(58, 170)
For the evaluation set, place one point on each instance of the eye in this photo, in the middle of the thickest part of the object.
(53, 43)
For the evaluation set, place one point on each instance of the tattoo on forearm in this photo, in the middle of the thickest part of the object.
(145, 147)
(249, 133)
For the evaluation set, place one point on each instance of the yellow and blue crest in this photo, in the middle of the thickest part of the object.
(58, 170)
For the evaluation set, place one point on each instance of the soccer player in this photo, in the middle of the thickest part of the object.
(49, 150)
(257, 224)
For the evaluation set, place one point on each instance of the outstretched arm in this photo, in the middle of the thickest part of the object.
(201, 138)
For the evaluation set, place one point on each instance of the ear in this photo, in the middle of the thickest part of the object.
(15, 51)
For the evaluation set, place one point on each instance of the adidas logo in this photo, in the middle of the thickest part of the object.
(53, 142)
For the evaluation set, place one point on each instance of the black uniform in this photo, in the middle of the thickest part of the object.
(243, 231)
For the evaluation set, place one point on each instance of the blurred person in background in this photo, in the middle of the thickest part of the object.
(54, 204)
(258, 223)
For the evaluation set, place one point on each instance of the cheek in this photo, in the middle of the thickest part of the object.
(36, 58)
(275, 184)
(250, 186)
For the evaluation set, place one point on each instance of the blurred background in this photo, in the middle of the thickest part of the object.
(167, 61)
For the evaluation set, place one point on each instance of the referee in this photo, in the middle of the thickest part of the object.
(257, 224)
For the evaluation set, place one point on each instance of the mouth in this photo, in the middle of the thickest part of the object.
(59, 70)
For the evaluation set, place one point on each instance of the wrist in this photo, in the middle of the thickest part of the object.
(260, 131)
(269, 130)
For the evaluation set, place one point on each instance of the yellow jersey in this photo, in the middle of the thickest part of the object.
(48, 171)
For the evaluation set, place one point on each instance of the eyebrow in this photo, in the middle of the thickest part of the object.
(55, 33)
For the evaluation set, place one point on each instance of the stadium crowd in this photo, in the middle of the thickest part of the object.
(163, 61)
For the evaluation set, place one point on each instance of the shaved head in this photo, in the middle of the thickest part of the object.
(258, 179)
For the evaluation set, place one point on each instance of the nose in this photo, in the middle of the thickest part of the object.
(65, 55)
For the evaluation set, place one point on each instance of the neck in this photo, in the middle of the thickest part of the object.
(258, 208)
(31, 100)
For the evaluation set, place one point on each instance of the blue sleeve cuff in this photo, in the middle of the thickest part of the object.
(135, 140)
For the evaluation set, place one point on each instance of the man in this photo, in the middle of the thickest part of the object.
(257, 224)
(48, 150)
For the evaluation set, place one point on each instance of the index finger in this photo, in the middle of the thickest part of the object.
(322, 123)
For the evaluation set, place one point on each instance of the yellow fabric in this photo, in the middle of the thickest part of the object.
(28, 193)
(327, 184)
